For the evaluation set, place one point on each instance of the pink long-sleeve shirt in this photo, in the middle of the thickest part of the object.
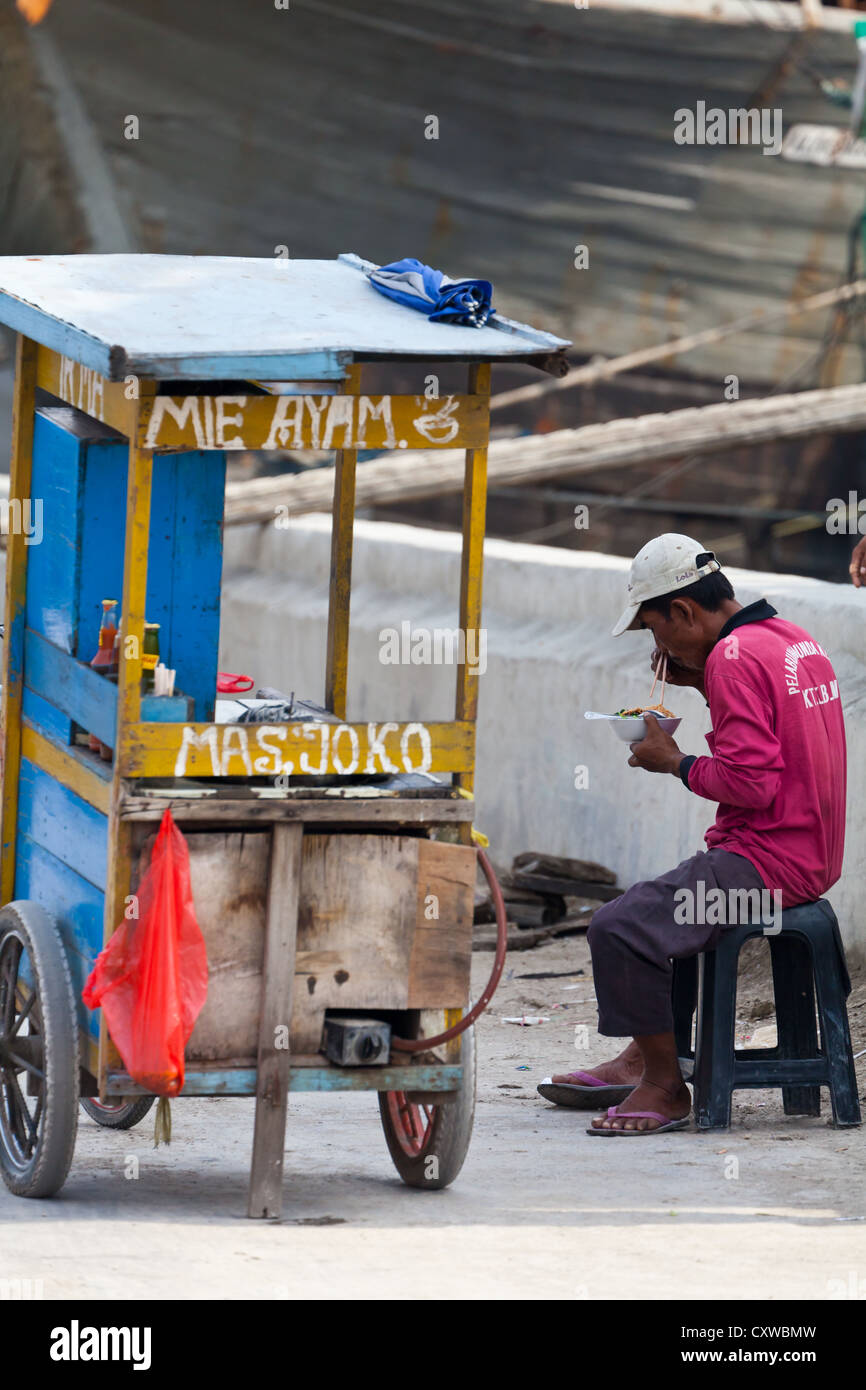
(777, 764)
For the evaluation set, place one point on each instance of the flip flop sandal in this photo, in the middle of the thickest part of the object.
(665, 1125)
(586, 1093)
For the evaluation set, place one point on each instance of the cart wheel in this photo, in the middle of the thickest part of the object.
(39, 1048)
(122, 1114)
(429, 1142)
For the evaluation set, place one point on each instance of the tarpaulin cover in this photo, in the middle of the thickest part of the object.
(151, 978)
(419, 286)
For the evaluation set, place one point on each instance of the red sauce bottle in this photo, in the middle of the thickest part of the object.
(105, 660)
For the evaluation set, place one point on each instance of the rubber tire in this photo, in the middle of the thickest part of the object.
(47, 1170)
(452, 1130)
(124, 1117)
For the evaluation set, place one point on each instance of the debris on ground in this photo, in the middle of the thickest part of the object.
(550, 875)
(762, 1037)
(761, 1008)
(550, 975)
(545, 896)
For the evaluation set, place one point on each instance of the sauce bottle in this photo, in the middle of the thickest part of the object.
(149, 656)
(105, 660)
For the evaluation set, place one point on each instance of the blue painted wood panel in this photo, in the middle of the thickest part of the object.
(76, 906)
(45, 717)
(184, 558)
(166, 709)
(55, 333)
(59, 821)
(103, 517)
(52, 566)
(317, 365)
(185, 569)
(82, 347)
(73, 687)
(242, 1080)
(81, 484)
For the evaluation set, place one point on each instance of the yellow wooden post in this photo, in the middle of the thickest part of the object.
(134, 575)
(337, 662)
(16, 590)
(471, 574)
(138, 492)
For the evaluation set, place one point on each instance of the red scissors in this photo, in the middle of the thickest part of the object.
(229, 684)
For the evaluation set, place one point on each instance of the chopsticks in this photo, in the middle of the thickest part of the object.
(163, 680)
(661, 667)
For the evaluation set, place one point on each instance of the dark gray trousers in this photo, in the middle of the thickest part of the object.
(634, 938)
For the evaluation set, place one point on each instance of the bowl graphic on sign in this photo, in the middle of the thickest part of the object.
(439, 426)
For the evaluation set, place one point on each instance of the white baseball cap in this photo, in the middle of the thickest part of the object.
(665, 563)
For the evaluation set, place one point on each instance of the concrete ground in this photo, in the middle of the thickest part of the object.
(774, 1209)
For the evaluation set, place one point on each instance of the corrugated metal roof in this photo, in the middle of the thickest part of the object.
(223, 316)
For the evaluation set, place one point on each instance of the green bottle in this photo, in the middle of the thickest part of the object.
(149, 656)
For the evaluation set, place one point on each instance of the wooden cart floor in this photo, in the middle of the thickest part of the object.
(309, 1074)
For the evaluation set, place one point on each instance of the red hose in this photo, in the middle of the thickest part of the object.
(421, 1044)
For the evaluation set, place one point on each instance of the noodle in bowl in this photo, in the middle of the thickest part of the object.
(631, 728)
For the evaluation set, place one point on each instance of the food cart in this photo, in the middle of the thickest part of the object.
(313, 858)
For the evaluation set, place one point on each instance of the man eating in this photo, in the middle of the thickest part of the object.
(776, 768)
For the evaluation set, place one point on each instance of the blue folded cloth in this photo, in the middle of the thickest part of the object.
(419, 286)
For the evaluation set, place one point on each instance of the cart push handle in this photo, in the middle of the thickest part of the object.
(420, 1044)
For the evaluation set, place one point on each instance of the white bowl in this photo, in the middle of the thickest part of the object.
(633, 730)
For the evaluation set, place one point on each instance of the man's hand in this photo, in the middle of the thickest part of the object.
(857, 568)
(677, 674)
(658, 752)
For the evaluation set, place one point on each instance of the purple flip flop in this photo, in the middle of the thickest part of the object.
(585, 1092)
(665, 1125)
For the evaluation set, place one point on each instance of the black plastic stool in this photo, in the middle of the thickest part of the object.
(807, 958)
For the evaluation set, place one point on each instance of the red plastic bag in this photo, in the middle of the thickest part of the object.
(151, 978)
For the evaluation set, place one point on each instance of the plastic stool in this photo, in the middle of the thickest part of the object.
(808, 959)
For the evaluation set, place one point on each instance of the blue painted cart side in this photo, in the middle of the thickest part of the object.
(56, 818)
(60, 862)
(80, 481)
(76, 905)
(80, 484)
(71, 686)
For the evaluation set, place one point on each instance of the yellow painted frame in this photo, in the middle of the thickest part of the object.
(23, 412)
(304, 422)
(216, 422)
(265, 750)
(340, 583)
(65, 769)
(84, 388)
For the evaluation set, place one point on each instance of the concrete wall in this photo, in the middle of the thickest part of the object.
(548, 615)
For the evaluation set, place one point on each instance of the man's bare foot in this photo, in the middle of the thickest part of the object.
(625, 1070)
(674, 1102)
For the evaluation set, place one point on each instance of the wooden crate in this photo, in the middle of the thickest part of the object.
(384, 922)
